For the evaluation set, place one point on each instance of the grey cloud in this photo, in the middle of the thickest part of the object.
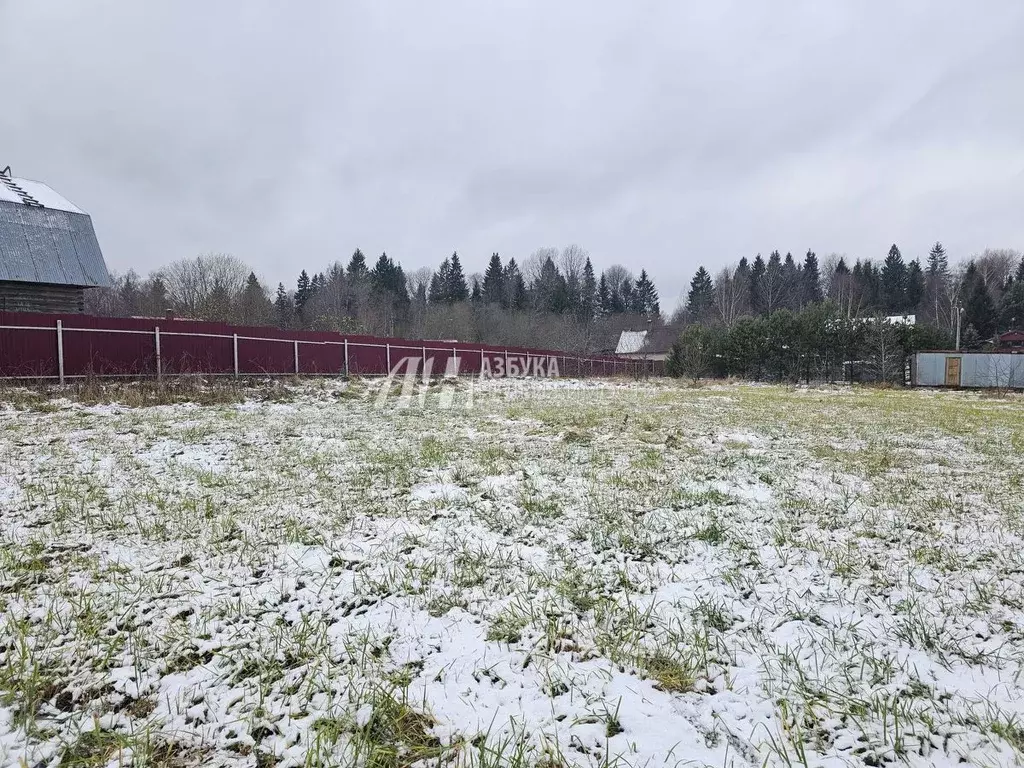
(661, 134)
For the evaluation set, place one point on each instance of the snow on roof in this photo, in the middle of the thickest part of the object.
(12, 187)
(45, 238)
(630, 342)
(902, 319)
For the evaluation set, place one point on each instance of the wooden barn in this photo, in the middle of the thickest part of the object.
(49, 254)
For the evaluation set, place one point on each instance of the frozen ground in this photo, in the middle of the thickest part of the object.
(564, 574)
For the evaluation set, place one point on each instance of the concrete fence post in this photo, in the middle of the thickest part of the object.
(296, 343)
(159, 362)
(388, 350)
(60, 351)
(455, 360)
(346, 358)
(234, 341)
(506, 363)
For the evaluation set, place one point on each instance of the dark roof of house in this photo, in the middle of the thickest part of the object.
(45, 238)
(1011, 336)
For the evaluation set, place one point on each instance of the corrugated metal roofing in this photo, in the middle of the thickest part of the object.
(630, 342)
(48, 244)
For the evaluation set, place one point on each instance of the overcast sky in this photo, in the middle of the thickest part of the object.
(664, 135)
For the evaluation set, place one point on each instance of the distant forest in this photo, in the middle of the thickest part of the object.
(556, 299)
(778, 319)
(989, 288)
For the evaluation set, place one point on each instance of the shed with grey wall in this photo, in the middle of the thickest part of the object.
(968, 369)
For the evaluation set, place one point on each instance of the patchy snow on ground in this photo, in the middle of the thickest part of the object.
(520, 573)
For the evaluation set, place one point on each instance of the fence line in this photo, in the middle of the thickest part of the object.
(81, 351)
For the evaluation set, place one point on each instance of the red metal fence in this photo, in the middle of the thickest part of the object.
(46, 346)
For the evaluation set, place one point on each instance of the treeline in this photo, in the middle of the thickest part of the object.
(988, 290)
(777, 319)
(817, 343)
(554, 298)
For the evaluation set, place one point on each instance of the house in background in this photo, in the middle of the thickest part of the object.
(652, 344)
(1011, 341)
(49, 254)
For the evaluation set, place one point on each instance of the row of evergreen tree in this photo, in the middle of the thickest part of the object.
(571, 289)
(817, 343)
(554, 298)
(988, 290)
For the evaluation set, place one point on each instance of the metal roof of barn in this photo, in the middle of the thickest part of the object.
(45, 238)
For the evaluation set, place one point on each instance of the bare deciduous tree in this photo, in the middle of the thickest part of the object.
(995, 265)
(531, 268)
(617, 274)
(191, 283)
(885, 356)
(730, 296)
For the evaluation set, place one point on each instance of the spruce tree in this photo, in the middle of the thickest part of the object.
(915, 286)
(387, 281)
(493, 289)
(514, 296)
(757, 270)
(791, 294)
(1019, 277)
(701, 296)
(938, 264)
(626, 296)
(869, 284)
(772, 284)
(380, 275)
(811, 279)
(894, 282)
(476, 296)
(439, 283)
(129, 294)
(588, 289)
(303, 291)
(550, 290)
(357, 270)
(645, 296)
(456, 289)
(979, 310)
(1011, 307)
(283, 307)
(517, 291)
(936, 285)
(256, 308)
(603, 296)
(156, 298)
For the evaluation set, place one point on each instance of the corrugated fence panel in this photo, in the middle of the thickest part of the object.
(106, 346)
(260, 357)
(364, 359)
(28, 353)
(321, 358)
(101, 353)
(196, 354)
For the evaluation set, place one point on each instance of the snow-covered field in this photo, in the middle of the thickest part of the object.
(566, 573)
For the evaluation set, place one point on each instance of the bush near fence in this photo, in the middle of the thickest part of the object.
(51, 346)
